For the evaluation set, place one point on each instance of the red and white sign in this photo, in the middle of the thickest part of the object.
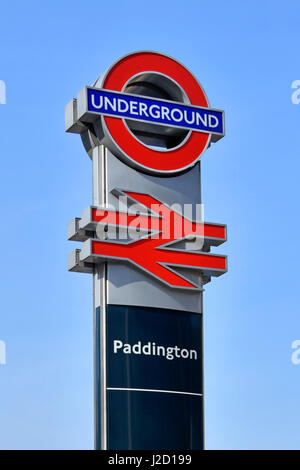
(152, 146)
(154, 252)
(163, 162)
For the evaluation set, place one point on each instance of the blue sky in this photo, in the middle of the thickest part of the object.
(246, 55)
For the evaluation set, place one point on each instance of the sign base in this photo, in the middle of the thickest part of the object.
(154, 390)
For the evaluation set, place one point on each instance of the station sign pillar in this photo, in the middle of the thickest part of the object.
(144, 124)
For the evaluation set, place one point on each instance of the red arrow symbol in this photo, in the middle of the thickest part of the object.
(152, 253)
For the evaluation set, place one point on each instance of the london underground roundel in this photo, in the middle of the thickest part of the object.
(175, 109)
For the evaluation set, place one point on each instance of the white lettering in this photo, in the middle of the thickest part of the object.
(185, 114)
(112, 104)
(143, 109)
(120, 460)
(126, 106)
(133, 107)
(210, 120)
(154, 114)
(97, 106)
(152, 349)
(165, 113)
(296, 94)
(162, 350)
(193, 353)
(136, 348)
(296, 353)
(117, 345)
(2, 353)
(184, 353)
(2, 92)
(200, 118)
(175, 110)
(127, 349)
(146, 349)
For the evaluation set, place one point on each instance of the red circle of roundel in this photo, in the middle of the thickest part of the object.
(160, 162)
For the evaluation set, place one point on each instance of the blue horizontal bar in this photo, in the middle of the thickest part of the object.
(140, 108)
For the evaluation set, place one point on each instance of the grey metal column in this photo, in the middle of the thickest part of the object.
(100, 302)
(109, 172)
(118, 284)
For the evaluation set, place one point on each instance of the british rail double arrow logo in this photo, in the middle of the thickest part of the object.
(154, 251)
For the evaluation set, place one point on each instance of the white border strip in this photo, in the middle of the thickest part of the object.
(152, 390)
